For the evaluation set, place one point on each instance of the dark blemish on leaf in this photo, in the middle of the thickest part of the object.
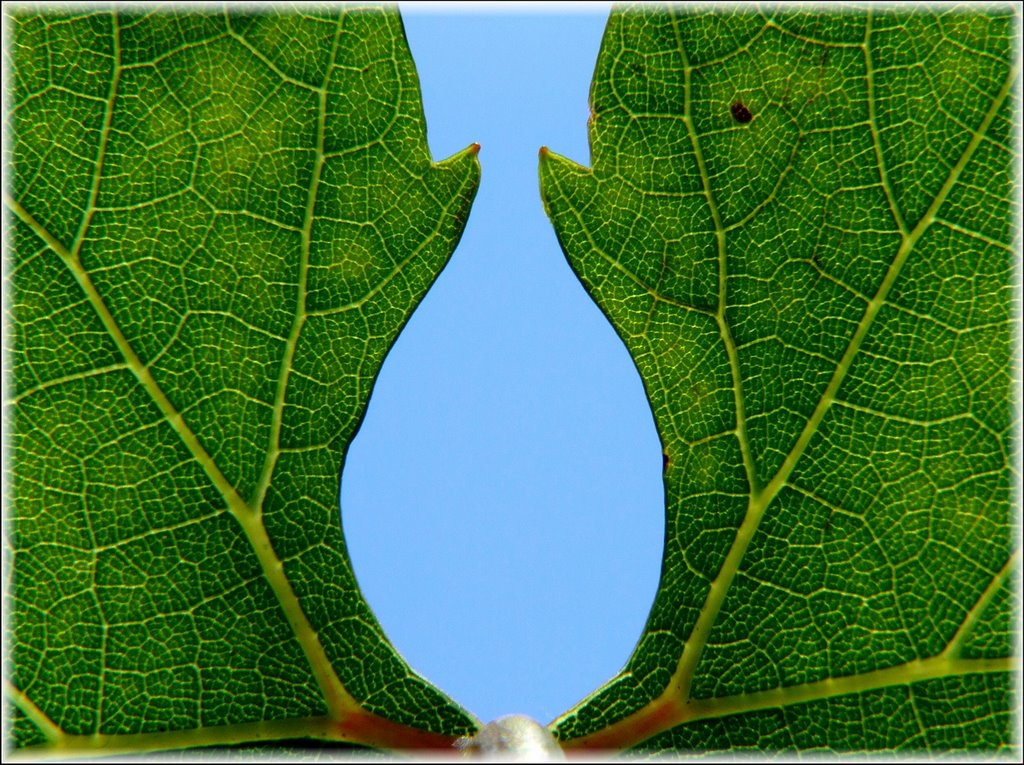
(740, 112)
(664, 461)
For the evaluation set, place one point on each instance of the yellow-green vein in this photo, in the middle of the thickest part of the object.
(27, 707)
(679, 685)
(337, 698)
(956, 644)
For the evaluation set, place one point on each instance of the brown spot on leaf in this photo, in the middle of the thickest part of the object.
(740, 112)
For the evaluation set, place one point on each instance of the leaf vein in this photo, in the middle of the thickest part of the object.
(876, 139)
(876, 303)
(682, 678)
(956, 644)
(47, 727)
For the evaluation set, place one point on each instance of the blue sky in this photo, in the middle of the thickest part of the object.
(503, 501)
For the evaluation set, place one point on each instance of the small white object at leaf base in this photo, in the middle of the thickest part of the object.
(514, 738)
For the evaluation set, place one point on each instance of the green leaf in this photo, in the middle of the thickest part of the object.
(220, 224)
(800, 224)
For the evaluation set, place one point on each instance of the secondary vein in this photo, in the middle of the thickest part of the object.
(666, 713)
(972, 617)
(876, 303)
(338, 700)
(679, 685)
(27, 707)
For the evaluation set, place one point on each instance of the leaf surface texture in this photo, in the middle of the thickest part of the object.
(220, 224)
(800, 224)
